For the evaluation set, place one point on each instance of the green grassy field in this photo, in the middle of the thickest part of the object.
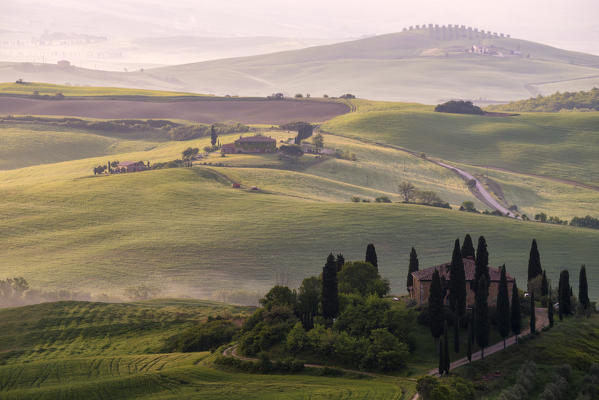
(74, 350)
(562, 145)
(83, 91)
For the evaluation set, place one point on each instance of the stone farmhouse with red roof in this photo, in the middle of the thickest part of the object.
(422, 282)
(251, 144)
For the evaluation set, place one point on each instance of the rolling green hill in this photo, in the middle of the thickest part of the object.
(74, 350)
(418, 65)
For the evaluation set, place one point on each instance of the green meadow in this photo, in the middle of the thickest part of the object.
(27, 88)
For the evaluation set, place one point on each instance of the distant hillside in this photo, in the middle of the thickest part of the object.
(428, 65)
(559, 101)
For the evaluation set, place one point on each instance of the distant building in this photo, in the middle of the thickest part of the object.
(422, 282)
(131, 166)
(251, 144)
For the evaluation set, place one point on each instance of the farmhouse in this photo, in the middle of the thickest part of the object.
(251, 144)
(131, 166)
(423, 278)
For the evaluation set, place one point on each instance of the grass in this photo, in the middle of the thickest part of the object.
(561, 145)
(83, 91)
(73, 350)
(573, 341)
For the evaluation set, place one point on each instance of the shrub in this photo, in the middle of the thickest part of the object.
(206, 336)
(459, 107)
(383, 199)
(385, 352)
(355, 199)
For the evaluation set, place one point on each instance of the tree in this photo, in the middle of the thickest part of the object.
(481, 263)
(516, 313)
(190, 153)
(279, 296)
(428, 197)
(291, 150)
(564, 294)
(407, 190)
(308, 300)
(470, 337)
(446, 361)
(544, 284)
(533, 316)
(330, 294)
(371, 255)
(534, 262)
(413, 267)
(468, 247)
(482, 314)
(457, 282)
(340, 261)
(550, 309)
(583, 288)
(503, 307)
(361, 278)
(435, 306)
(318, 141)
(213, 136)
(456, 335)
(441, 358)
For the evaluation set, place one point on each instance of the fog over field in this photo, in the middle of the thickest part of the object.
(133, 34)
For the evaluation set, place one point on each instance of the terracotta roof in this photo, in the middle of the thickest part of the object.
(469, 268)
(249, 139)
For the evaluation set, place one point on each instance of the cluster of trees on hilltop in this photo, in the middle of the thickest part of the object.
(583, 100)
(339, 316)
(459, 107)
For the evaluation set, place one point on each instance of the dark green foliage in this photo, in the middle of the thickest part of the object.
(481, 263)
(446, 388)
(385, 352)
(330, 293)
(503, 307)
(470, 337)
(308, 300)
(291, 150)
(213, 136)
(361, 278)
(456, 335)
(340, 261)
(533, 315)
(534, 262)
(544, 284)
(459, 107)
(583, 100)
(446, 361)
(550, 309)
(262, 366)
(583, 288)
(207, 336)
(279, 296)
(413, 267)
(564, 294)
(435, 306)
(441, 367)
(516, 312)
(371, 255)
(457, 281)
(482, 313)
(468, 247)
(586, 222)
(266, 328)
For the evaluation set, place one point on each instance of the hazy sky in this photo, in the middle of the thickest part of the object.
(572, 24)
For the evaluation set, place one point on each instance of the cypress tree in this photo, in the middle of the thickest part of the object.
(481, 262)
(583, 288)
(503, 307)
(330, 294)
(544, 284)
(371, 255)
(435, 306)
(456, 335)
(550, 309)
(482, 314)
(516, 314)
(213, 135)
(412, 268)
(468, 247)
(533, 316)
(534, 262)
(447, 363)
(457, 282)
(340, 261)
(470, 337)
(441, 358)
(564, 294)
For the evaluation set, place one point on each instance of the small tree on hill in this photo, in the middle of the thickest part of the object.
(516, 313)
(413, 267)
(318, 141)
(468, 247)
(407, 190)
(213, 136)
(583, 289)
(330, 294)
(371, 255)
(503, 307)
(534, 262)
(435, 306)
